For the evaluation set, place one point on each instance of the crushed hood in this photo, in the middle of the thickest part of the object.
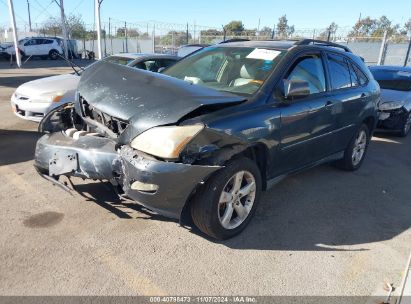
(144, 98)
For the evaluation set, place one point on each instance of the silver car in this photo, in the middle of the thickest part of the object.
(34, 99)
(395, 105)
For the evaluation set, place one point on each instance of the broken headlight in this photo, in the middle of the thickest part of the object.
(165, 142)
(391, 105)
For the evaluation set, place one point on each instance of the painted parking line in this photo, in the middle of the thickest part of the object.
(405, 296)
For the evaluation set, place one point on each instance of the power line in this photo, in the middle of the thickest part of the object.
(22, 19)
(77, 6)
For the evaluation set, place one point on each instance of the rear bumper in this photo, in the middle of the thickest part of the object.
(96, 157)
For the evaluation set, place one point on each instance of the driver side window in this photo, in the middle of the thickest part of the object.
(309, 68)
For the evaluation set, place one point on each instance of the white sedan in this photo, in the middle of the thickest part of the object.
(33, 99)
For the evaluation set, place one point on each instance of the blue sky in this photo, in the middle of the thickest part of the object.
(303, 14)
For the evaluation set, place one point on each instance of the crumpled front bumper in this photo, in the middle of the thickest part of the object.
(392, 119)
(97, 158)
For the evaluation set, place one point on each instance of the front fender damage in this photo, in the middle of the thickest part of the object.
(163, 187)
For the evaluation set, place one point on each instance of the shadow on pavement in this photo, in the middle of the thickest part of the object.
(16, 80)
(320, 209)
(17, 146)
(103, 194)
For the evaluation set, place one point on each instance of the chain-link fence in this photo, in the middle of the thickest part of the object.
(144, 37)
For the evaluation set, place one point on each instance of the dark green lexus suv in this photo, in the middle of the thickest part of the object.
(208, 134)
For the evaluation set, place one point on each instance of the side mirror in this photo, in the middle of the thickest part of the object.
(296, 88)
(161, 69)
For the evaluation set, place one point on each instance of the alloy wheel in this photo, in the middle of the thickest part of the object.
(359, 147)
(236, 199)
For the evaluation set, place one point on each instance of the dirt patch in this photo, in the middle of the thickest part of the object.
(43, 220)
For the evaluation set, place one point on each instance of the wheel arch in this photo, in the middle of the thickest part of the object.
(371, 123)
(257, 152)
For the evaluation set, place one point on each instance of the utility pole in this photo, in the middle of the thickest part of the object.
(110, 36)
(13, 23)
(273, 32)
(187, 33)
(383, 49)
(28, 9)
(154, 38)
(125, 36)
(63, 26)
(97, 16)
(408, 53)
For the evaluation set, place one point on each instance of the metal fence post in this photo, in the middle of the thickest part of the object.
(408, 52)
(383, 48)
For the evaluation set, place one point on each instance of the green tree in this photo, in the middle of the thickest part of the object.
(330, 30)
(175, 38)
(384, 24)
(265, 31)
(234, 27)
(210, 35)
(363, 27)
(283, 29)
(75, 26)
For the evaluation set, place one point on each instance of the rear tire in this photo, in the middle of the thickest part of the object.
(407, 126)
(355, 152)
(224, 206)
(53, 54)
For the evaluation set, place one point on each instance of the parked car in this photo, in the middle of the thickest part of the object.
(395, 105)
(33, 99)
(211, 132)
(45, 47)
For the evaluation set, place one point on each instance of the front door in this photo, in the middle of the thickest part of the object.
(306, 123)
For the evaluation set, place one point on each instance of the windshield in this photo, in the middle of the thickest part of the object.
(240, 70)
(393, 80)
(119, 60)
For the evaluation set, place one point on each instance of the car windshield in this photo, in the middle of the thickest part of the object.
(393, 80)
(240, 70)
(119, 60)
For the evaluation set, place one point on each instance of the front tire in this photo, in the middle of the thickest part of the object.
(224, 206)
(407, 126)
(355, 152)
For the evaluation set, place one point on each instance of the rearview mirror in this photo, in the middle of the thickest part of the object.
(296, 88)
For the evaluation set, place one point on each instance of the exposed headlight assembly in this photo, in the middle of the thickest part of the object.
(391, 105)
(165, 142)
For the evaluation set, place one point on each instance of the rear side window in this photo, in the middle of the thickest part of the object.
(361, 78)
(310, 69)
(339, 72)
(47, 41)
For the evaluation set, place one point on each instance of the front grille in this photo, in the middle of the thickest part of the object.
(114, 124)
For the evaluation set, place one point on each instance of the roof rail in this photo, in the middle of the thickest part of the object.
(322, 43)
(234, 40)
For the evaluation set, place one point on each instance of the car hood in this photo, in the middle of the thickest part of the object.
(144, 98)
(66, 82)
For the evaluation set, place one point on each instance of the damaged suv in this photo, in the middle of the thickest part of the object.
(206, 136)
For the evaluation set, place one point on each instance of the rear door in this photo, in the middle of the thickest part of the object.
(306, 123)
(348, 96)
